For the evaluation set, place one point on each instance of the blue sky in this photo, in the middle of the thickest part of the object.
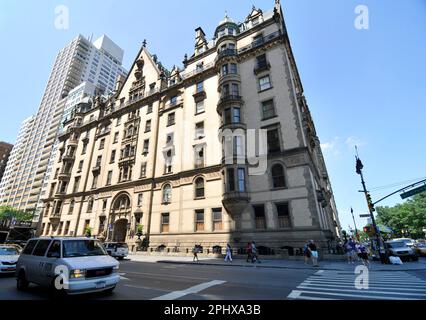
(363, 86)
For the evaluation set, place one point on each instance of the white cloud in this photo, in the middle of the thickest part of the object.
(331, 147)
(352, 141)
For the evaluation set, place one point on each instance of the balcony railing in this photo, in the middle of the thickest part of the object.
(197, 71)
(258, 42)
(230, 98)
(226, 53)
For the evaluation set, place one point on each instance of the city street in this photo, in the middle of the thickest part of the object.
(169, 281)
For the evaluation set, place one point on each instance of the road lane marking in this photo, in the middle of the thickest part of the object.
(319, 272)
(308, 283)
(195, 289)
(349, 295)
(167, 275)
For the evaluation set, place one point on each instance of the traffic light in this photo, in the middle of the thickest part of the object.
(370, 202)
(367, 229)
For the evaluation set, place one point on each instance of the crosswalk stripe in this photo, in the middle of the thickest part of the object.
(369, 286)
(354, 296)
(329, 284)
(368, 291)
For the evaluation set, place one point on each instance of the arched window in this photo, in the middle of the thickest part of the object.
(122, 202)
(199, 187)
(278, 179)
(167, 193)
(71, 208)
(90, 205)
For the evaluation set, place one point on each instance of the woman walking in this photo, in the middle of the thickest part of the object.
(307, 253)
(314, 253)
(228, 253)
(195, 252)
(364, 255)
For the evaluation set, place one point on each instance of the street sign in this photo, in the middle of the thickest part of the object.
(367, 215)
(413, 192)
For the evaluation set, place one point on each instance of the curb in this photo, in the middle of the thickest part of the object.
(273, 267)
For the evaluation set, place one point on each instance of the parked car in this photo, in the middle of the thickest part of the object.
(408, 241)
(420, 248)
(400, 249)
(118, 250)
(88, 266)
(8, 257)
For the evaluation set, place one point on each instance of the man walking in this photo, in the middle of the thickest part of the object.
(195, 252)
(314, 253)
(248, 250)
(228, 255)
(254, 253)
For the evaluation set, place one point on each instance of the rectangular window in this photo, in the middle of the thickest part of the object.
(268, 110)
(241, 179)
(199, 220)
(101, 225)
(259, 216)
(217, 219)
(261, 61)
(67, 227)
(265, 83)
(238, 146)
(95, 181)
(199, 130)
(109, 178)
(171, 119)
(231, 180)
(98, 162)
(224, 70)
(148, 126)
(112, 159)
(143, 170)
(149, 109)
(199, 107)
(173, 100)
(76, 184)
(273, 140)
(102, 144)
(80, 165)
(233, 68)
(165, 222)
(235, 90)
(140, 199)
(146, 146)
(283, 215)
(116, 137)
(200, 87)
(118, 121)
(236, 115)
(199, 156)
(83, 151)
(104, 204)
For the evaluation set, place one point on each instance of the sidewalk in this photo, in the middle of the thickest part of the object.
(283, 264)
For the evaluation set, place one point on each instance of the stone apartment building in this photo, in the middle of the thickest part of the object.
(168, 151)
(5, 149)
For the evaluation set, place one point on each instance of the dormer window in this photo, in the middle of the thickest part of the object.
(255, 21)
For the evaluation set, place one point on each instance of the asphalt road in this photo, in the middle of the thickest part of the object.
(146, 281)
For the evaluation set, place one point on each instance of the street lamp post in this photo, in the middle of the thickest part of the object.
(382, 252)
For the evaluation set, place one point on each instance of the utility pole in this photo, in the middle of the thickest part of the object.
(356, 230)
(380, 247)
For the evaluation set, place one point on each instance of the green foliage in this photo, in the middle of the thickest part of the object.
(405, 219)
(139, 229)
(88, 231)
(9, 213)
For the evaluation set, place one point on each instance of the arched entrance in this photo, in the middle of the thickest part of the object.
(120, 230)
(120, 217)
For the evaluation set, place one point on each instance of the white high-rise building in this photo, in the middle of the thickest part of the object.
(98, 63)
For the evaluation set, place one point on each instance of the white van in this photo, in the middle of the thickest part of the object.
(71, 265)
(118, 250)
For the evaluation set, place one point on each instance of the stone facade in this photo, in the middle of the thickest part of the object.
(168, 151)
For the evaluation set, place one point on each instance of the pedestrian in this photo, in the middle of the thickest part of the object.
(314, 253)
(254, 256)
(358, 251)
(349, 254)
(195, 252)
(307, 253)
(248, 250)
(228, 255)
(364, 255)
(352, 243)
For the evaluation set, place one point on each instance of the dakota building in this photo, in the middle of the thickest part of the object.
(154, 153)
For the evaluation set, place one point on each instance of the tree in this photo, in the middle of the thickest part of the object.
(8, 214)
(406, 219)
